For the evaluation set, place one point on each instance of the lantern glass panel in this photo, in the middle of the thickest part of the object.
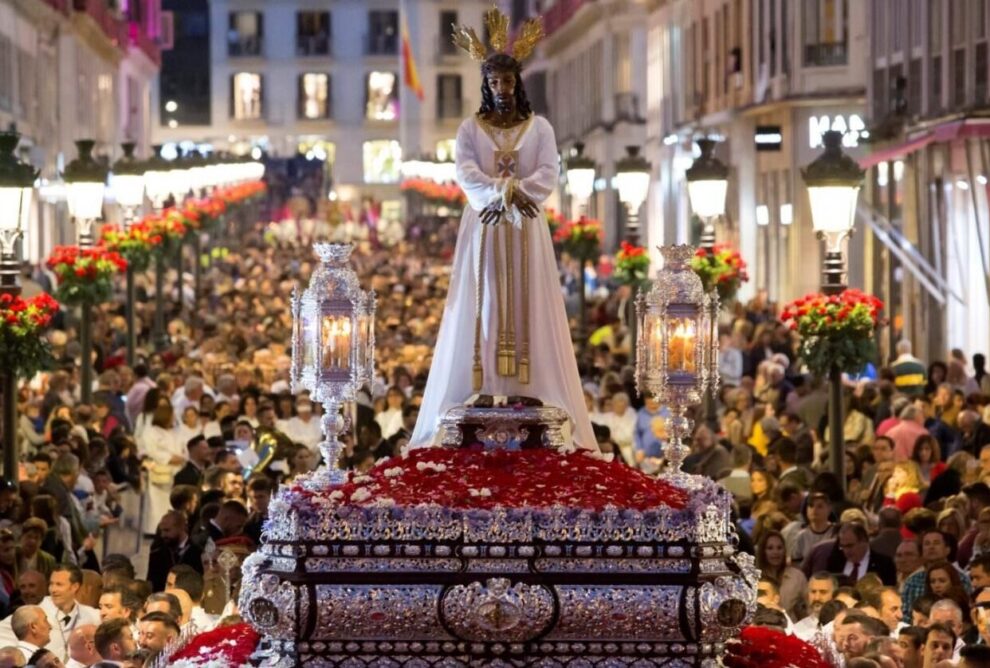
(309, 341)
(581, 181)
(653, 334)
(833, 208)
(682, 342)
(708, 197)
(11, 201)
(85, 199)
(128, 189)
(336, 342)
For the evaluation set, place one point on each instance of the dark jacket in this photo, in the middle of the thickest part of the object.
(190, 474)
(881, 565)
(163, 557)
(66, 508)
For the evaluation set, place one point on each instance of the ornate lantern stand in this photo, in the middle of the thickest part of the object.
(708, 182)
(16, 191)
(632, 177)
(333, 348)
(85, 180)
(833, 180)
(676, 355)
(127, 183)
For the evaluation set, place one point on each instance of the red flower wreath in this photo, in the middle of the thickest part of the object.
(225, 645)
(762, 647)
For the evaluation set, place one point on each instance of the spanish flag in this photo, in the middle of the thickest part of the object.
(410, 75)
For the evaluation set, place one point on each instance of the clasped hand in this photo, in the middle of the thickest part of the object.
(492, 213)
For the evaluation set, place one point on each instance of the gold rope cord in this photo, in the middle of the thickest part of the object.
(524, 343)
(510, 302)
(478, 372)
(501, 364)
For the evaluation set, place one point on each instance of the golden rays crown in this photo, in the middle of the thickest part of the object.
(497, 23)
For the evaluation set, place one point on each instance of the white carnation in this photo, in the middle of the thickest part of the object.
(361, 494)
(394, 472)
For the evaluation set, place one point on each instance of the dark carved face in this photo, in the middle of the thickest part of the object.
(503, 86)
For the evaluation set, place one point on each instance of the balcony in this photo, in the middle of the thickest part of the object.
(98, 11)
(244, 47)
(312, 45)
(139, 39)
(449, 108)
(561, 12)
(826, 55)
(381, 45)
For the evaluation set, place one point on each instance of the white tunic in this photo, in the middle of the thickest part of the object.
(553, 367)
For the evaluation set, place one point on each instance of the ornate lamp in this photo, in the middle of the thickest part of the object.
(833, 182)
(85, 182)
(632, 177)
(581, 175)
(127, 182)
(179, 178)
(156, 179)
(333, 347)
(677, 354)
(708, 181)
(16, 189)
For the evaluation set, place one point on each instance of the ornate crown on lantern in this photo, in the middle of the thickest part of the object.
(497, 24)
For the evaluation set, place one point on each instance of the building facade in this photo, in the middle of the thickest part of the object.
(69, 70)
(325, 80)
(926, 194)
(766, 77)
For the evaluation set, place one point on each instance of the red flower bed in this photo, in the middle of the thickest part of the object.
(762, 647)
(230, 646)
(475, 478)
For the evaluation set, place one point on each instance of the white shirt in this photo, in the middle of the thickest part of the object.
(308, 433)
(80, 615)
(202, 620)
(72, 663)
(27, 649)
(863, 563)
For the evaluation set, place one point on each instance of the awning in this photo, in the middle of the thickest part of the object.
(908, 254)
(966, 128)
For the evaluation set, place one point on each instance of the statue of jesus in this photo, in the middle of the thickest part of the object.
(504, 331)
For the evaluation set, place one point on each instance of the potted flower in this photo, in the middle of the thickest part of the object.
(170, 227)
(135, 244)
(836, 330)
(632, 265)
(581, 238)
(85, 275)
(554, 221)
(23, 347)
(722, 269)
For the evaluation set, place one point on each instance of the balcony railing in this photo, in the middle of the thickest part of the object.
(825, 55)
(239, 47)
(381, 45)
(312, 45)
(115, 29)
(561, 12)
(448, 108)
(140, 40)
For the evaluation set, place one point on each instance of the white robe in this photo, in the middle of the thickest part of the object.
(553, 367)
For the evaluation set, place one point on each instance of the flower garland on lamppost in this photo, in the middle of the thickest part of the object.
(127, 182)
(632, 269)
(86, 285)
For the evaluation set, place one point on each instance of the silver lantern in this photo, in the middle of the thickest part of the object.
(333, 347)
(677, 351)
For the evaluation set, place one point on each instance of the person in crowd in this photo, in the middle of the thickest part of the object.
(173, 546)
(199, 458)
(157, 629)
(936, 547)
(114, 640)
(82, 647)
(165, 455)
(927, 455)
(771, 559)
(32, 629)
(904, 486)
(304, 427)
(854, 558)
(819, 527)
(65, 612)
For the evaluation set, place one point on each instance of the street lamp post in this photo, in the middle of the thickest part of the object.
(833, 181)
(156, 178)
(581, 182)
(632, 177)
(85, 181)
(179, 178)
(16, 186)
(708, 182)
(127, 183)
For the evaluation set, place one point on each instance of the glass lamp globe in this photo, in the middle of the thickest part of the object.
(833, 182)
(632, 178)
(708, 182)
(580, 174)
(16, 190)
(156, 178)
(85, 183)
(127, 179)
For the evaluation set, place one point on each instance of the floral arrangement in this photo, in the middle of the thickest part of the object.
(723, 270)
(441, 193)
(170, 226)
(207, 211)
(223, 647)
(22, 322)
(763, 647)
(554, 221)
(581, 238)
(478, 478)
(632, 265)
(241, 193)
(135, 244)
(836, 330)
(85, 275)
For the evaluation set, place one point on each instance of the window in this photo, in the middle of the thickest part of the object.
(192, 25)
(312, 33)
(958, 77)
(245, 96)
(382, 158)
(244, 34)
(382, 97)
(914, 86)
(980, 90)
(448, 96)
(448, 19)
(383, 33)
(825, 32)
(6, 73)
(314, 95)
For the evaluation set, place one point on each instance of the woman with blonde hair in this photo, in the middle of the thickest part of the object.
(904, 487)
(952, 521)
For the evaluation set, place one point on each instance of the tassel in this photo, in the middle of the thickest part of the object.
(477, 377)
(524, 370)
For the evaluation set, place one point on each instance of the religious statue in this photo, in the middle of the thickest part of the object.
(504, 332)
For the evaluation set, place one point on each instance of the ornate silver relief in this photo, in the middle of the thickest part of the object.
(497, 610)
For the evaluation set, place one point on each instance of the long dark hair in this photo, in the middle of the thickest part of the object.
(501, 62)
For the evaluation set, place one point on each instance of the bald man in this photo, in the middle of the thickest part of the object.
(82, 647)
(32, 628)
(33, 586)
(11, 657)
